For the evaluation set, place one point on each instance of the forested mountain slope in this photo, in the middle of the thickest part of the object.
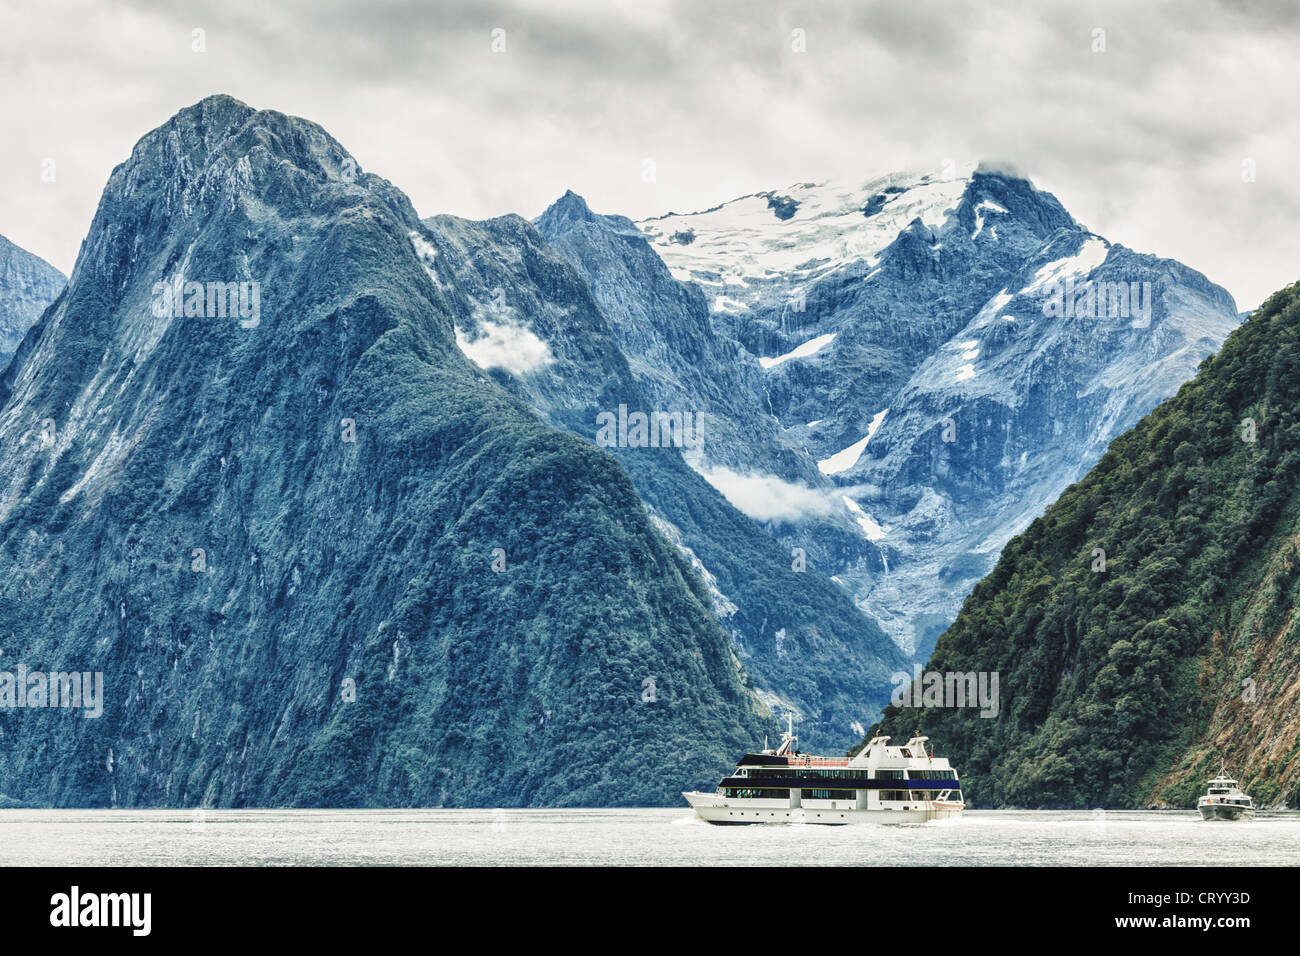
(317, 556)
(1127, 686)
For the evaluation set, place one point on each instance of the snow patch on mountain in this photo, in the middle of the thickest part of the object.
(846, 459)
(743, 243)
(869, 525)
(811, 347)
(981, 211)
(877, 420)
(1091, 254)
(995, 305)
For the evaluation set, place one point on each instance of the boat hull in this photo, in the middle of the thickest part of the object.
(1225, 812)
(718, 810)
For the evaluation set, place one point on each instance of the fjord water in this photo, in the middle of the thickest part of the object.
(637, 837)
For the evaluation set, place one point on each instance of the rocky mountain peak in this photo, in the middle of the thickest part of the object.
(27, 285)
(563, 213)
(325, 495)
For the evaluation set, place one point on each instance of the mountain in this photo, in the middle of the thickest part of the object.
(27, 285)
(948, 353)
(318, 557)
(529, 319)
(663, 328)
(1145, 629)
(351, 508)
(682, 360)
(840, 267)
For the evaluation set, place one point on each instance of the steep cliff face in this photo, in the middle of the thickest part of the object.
(948, 353)
(529, 320)
(892, 379)
(318, 556)
(28, 284)
(1145, 628)
(682, 361)
(679, 360)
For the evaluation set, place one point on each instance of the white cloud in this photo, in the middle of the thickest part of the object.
(1144, 142)
(512, 347)
(769, 498)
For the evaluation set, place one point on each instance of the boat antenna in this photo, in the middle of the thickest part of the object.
(787, 738)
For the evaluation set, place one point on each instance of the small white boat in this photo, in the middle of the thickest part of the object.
(881, 784)
(1225, 801)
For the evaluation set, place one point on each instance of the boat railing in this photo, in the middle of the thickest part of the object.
(803, 761)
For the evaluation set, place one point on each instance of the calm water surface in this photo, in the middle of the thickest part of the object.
(631, 837)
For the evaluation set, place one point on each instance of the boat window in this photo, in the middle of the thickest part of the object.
(889, 774)
(893, 795)
(755, 793)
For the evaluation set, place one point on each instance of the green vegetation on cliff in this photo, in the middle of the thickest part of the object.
(1126, 686)
(321, 560)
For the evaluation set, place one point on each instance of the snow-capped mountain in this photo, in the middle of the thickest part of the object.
(742, 249)
(27, 285)
(575, 348)
(664, 328)
(949, 352)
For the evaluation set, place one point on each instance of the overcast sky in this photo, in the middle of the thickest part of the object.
(1148, 141)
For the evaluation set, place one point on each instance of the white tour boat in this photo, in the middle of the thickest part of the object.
(881, 784)
(1225, 801)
